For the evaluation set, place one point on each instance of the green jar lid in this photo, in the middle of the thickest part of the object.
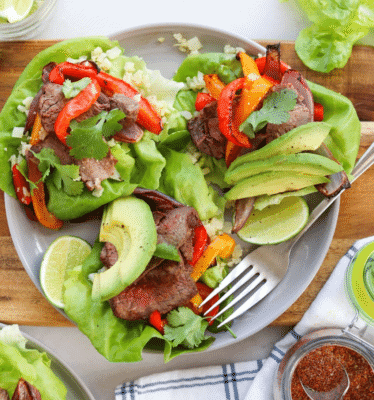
(360, 282)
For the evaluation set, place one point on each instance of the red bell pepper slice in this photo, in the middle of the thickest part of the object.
(261, 62)
(318, 112)
(147, 117)
(204, 292)
(75, 107)
(225, 110)
(70, 70)
(157, 322)
(202, 100)
(200, 242)
(21, 186)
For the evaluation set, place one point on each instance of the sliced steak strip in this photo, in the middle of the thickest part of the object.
(205, 132)
(157, 201)
(51, 102)
(178, 229)
(93, 171)
(300, 115)
(46, 71)
(101, 104)
(163, 288)
(4, 395)
(26, 391)
(52, 142)
(31, 115)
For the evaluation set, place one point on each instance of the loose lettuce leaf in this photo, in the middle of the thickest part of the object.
(117, 340)
(337, 25)
(18, 361)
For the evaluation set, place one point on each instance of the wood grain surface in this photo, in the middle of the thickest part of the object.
(21, 302)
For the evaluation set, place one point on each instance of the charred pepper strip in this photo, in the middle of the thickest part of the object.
(147, 117)
(225, 110)
(214, 85)
(231, 153)
(261, 62)
(75, 107)
(202, 100)
(156, 321)
(318, 112)
(38, 199)
(21, 186)
(67, 69)
(203, 292)
(200, 242)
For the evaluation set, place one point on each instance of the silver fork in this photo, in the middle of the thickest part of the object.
(268, 264)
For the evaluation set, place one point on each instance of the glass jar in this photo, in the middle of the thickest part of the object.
(358, 336)
(30, 26)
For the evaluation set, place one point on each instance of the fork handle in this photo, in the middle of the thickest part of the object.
(366, 161)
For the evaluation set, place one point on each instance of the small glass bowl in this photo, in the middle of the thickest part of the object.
(30, 26)
(309, 342)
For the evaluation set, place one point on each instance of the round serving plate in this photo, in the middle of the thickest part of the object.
(156, 45)
(76, 389)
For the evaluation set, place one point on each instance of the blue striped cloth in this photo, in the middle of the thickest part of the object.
(252, 380)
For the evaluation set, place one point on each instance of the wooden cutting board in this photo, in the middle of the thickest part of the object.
(21, 302)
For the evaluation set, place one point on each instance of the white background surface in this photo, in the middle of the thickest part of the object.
(252, 19)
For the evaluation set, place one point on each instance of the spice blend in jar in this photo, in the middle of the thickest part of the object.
(321, 370)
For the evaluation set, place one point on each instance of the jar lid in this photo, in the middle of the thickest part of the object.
(359, 282)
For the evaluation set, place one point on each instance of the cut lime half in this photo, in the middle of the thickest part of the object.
(15, 10)
(276, 223)
(64, 253)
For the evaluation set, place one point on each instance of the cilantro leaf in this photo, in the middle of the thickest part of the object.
(185, 327)
(86, 137)
(71, 89)
(275, 110)
(65, 177)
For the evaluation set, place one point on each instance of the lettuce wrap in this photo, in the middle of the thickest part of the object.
(139, 164)
(18, 361)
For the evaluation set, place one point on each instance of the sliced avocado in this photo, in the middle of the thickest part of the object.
(129, 225)
(303, 138)
(306, 163)
(272, 182)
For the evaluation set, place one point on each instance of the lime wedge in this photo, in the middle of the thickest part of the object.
(15, 10)
(64, 253)
(276, 223)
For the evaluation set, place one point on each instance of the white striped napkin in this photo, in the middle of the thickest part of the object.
(250, 380)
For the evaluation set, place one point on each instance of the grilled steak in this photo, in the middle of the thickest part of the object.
(163, 288)
(52, 142)
(26, 391)
(177, 228)
(4, 394)
(93, 171)
(205, 132)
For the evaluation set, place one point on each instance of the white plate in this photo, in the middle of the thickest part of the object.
(31, 239)
(76, 389)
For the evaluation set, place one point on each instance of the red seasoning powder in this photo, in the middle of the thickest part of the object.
(321, 370)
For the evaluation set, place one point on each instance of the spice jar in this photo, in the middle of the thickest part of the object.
(317, 358)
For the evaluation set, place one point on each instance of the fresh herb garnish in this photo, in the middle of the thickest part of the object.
(86, 138)
(71, 89)
(65, 177)
(185, 327)
(275, 110)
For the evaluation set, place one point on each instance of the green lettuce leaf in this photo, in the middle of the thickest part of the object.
(17, 361)
(337, 25)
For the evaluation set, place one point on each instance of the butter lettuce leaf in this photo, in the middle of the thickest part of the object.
(18, 361)
(337, 26)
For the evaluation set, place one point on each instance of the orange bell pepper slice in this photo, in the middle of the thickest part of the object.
(249, 65)
(222, 246)
(214, 85)
(34, 138)
(231, 153)
(46, 218)
(252, 94)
